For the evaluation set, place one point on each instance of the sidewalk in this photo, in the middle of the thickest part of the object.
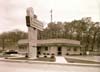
(60, 59)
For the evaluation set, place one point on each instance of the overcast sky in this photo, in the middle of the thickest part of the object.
(12, 12)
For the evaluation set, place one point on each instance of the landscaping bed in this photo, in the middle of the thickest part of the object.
(38, 59)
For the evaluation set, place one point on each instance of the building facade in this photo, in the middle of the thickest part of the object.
(59, 47)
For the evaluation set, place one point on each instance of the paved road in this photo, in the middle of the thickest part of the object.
(25, 67)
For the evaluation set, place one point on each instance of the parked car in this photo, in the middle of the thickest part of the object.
(11, 52)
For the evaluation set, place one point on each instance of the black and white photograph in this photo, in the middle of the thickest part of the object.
(49, 35)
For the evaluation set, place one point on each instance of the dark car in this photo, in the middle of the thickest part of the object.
(11, 52)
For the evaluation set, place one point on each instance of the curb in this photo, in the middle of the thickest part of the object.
(50, 63)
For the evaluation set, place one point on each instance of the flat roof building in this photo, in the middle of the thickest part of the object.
(60, 47)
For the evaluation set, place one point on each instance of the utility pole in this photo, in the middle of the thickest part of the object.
(51, 15)
(3, 43)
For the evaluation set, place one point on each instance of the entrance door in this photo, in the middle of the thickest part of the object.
(38, 50)
(59, 51)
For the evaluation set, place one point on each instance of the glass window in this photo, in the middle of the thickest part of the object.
(59, 48)
(75, 49)
(46, 48)
(68, 49)
(38, 48)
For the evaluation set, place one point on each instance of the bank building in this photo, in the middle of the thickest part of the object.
(35, 47)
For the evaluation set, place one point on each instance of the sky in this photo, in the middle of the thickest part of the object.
(13, 12)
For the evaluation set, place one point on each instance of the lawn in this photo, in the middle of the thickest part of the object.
(72, 60)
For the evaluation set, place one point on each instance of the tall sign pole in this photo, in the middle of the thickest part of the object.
(33, 25)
